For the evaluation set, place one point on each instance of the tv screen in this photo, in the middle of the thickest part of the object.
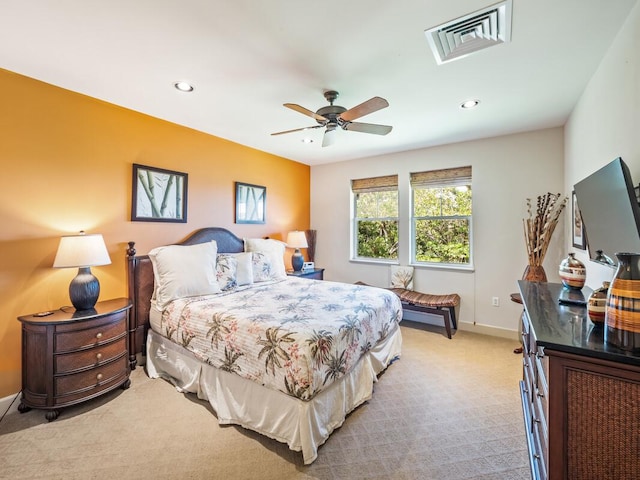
(610, 212)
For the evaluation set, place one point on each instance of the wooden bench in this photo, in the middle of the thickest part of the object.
(441, 305)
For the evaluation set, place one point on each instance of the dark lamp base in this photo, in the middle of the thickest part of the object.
(84, 289)
(297, 260)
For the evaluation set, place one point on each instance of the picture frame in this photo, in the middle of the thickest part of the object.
(251, 203)
(579, 239)
(158, 195)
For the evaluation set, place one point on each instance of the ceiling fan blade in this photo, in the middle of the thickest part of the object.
(306, 111)
(367, 128)
(329, 137)
(296, 130)
(372, 105)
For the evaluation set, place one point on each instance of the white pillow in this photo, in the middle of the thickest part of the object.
(184, 271)
(273, 248)
(244, 269)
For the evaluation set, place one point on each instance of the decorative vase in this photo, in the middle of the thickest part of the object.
(534, 273)
(572, 272)
(597, 304)
(622, 315)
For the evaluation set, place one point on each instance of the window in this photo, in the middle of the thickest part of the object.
(441, 216)
(375, 219)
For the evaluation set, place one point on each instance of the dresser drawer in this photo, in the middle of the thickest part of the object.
(71, 337)
(542, 385)
(540, 458)
(90, 358)
(94, 378)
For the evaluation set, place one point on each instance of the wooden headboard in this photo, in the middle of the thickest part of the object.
(140, 278)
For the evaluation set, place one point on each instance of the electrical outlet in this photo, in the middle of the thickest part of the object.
(495, 301)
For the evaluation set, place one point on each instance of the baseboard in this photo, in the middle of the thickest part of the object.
(489, 330)
(436, 320)
(9, 404)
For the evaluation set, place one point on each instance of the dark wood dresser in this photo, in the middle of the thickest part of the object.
(73, 356)
(580, 396)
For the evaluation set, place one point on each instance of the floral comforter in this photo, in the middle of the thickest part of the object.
(294, 335)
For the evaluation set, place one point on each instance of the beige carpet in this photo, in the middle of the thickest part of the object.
(448, 409)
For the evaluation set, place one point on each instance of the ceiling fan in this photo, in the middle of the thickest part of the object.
(334, 116)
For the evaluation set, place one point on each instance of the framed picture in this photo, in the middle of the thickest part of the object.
(159, 195)
(577, 226)
(251, 203)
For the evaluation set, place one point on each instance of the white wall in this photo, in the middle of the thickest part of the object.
(605, 123)
(506, 171)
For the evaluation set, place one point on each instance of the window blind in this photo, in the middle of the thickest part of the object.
(375, 184)
(441, 178)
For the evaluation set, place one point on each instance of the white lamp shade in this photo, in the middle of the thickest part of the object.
(81, 251)
(297, 239)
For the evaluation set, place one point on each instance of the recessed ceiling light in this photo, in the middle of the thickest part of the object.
(183, 86)
(470, 104)
(307, 140)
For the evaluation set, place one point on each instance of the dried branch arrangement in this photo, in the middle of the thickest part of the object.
(538, 229)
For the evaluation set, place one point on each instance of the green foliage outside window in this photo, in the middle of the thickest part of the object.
(442, 224)
(377, 224)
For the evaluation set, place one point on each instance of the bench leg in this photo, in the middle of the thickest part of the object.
(447, 321)
(452, 311)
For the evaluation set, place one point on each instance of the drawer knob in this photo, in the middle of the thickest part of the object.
(99, 335)
(99, 377)
(99, 356)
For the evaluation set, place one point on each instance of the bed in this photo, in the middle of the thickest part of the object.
(283, 356)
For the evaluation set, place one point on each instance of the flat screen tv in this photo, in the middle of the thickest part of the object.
(610, 212)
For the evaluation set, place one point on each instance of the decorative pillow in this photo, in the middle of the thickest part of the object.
(244, 272)
(401, 277)
(262, 267)
(184, 271)
(273, 248)
(226, 268)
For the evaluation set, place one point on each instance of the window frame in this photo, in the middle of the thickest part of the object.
(439, 179)
(387, 183)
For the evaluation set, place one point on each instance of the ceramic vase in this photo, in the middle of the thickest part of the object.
(597, 304)
(622, 315)
(572, 272)
(534, 273)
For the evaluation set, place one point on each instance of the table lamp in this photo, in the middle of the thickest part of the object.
(297, 240)
(82, 251)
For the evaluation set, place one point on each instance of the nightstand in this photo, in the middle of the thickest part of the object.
(72, 356)
(313, 273)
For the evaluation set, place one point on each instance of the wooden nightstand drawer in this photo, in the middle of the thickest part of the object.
(90, 358)
(90, 333)
(94, 378)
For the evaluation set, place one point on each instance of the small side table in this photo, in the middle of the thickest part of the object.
(312, 273)
(72, 356)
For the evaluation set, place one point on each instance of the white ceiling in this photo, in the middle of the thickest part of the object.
(248, 57)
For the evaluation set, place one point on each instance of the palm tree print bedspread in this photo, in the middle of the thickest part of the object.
(295, 335)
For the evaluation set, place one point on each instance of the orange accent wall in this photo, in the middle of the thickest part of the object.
(66, 165)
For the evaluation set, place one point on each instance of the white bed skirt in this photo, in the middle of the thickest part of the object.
(303, 425)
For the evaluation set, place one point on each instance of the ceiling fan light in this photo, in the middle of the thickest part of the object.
(467, 104)
(183, 86)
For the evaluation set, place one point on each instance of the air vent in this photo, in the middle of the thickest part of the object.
(476, 31)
